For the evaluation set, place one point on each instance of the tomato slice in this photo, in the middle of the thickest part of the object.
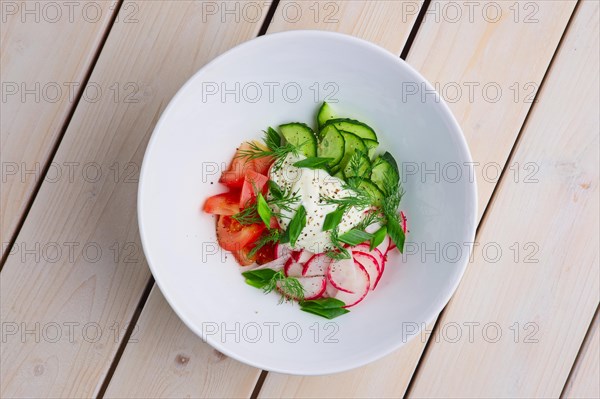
(223, 204)
(253, 182)
(234, 176)
(262, 165)
(242, 257)
(234, 236)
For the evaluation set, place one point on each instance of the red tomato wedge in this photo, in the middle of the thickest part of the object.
(234, 176)
(254, 183)
(234, 236)
(262, 165)
(223, 204)
(242, 257)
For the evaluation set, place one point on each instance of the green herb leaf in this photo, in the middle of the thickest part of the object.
(395, 231)
(313, 163)
(378, 237)
(296, 225)
(263, 210)
(338, 254)
(355, 237)
(329, 308)
(272, 139)
(275, 190)
(333, 218)
(258, 278)
(272, 236)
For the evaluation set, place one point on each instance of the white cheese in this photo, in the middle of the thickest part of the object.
(311, 186)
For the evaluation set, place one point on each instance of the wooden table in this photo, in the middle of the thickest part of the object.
(83, 84)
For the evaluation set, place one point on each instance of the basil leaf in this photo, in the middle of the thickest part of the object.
(378, 237)
(313, 163)
(333, 219)
(355, 237)
(396, 233)
(263, 210)
(326, 313)
(275, 190)
(296, 225)
(258, 278)
(272, 139)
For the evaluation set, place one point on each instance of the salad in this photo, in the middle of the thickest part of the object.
(312, 214)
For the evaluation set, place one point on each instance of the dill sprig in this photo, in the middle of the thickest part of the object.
(271, 237)
(370, 218)
(360, 201)
(273, 147)
(289, 287)
(338, 252)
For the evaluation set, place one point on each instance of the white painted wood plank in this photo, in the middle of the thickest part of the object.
(456, 53)
(46, 50)
(552, 289)
(84, 296)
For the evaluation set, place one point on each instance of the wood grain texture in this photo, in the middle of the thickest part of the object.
(387, 23)
(167, 360)
(552, 289)
(456, 53)
(154, 359)
(45, 53)
(80, 301)
(584, 381)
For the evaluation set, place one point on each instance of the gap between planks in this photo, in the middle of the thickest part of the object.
(434, 329)
(146, 293)
(61, 134)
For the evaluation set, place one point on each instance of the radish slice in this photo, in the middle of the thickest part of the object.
(361, 287)
(342, 273)
(293, 269)
(276, 264)
(391, 244)
(314, 287)
(370, 264)
(304, 256)
(330, 291)
(366, 248)
(316, 266)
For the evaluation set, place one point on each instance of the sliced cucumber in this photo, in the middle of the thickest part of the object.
(371, 147)
(359, 165)
(339, 174)
(372, 190)
(385, 172)
(325, 114)
(302, 136)
(360, 129)
(331, 145)
(352, 143)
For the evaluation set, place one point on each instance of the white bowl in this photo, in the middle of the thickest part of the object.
(221, 106)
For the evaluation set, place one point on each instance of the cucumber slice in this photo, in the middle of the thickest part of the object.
(339, 174)
(371, 147)
(302, 136)
(360, 129)
(325, 114)
(385, 172)
(332, 145)
(374, 192)
(353, 143)
(362, 168)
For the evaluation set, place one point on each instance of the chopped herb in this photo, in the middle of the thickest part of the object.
(355, 237)
(378, 237)
(313, 163)
(333, 218)
(275, 190)
(272, 139)
(271, 237)
(263, 210)
(296, 225)
(329, 308)
(395, 231)
(269, 280)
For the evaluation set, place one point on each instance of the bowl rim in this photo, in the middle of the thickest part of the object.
(436, 307)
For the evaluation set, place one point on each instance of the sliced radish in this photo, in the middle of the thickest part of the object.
(342, 273)
(370, 264)
(367, 249)
(317, 265)
(282, 250)
(360, 285)
(304, 256)
(330, 290)
(391, 244)
(293, 269)
(276, 264)
(314, 287)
